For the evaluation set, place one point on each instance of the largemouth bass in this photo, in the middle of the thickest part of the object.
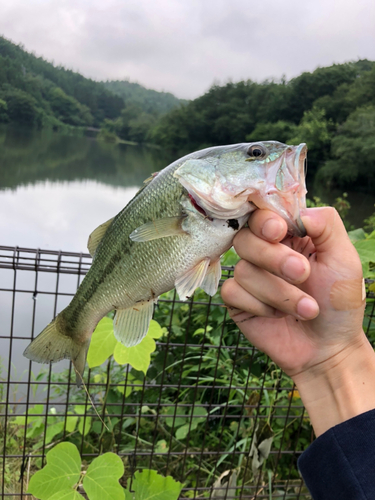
(172, 234)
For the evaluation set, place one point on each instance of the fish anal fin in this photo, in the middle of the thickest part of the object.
(191, 279)
(210, 283)
(160, 228)
(131, 325)
(97, 235)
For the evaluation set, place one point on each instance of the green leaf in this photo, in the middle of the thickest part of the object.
(71, 423)
(182, 432)
(101, 479)
(148, 485)
(84, 425)
(61, 472)
(161, 446)
(66, 495)
(102, 343)
(155, 330)
(139, 356)
(179, 419)
(53, 430)
(366, 251)
(357, 235)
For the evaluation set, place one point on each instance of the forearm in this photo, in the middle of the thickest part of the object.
(339, 388)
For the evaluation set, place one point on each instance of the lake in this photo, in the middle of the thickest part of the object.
(54, 191)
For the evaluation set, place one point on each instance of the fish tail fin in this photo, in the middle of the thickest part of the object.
(52, 345)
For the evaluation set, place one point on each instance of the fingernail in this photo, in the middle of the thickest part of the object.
(272, 229)
(293, 268)
(307, 308)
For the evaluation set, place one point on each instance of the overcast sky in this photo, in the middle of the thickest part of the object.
(184, 46)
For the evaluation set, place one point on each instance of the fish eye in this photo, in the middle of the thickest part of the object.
(257, 151)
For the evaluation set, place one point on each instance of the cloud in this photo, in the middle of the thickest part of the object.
(183, 46)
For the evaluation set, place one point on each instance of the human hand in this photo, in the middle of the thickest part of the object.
(311, 321)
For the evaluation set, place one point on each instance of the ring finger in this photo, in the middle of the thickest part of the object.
(274, 292)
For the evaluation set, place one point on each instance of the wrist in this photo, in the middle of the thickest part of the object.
(340, 387)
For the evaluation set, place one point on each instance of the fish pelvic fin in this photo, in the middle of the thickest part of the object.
(52, 345)
(191, 279)
(211, 281)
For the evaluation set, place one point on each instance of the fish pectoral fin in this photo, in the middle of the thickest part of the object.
(97, 235)
(191, 279)
(160, 228)
(210, 283)
(131, 325)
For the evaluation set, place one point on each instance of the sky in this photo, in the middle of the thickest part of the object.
(185, 46)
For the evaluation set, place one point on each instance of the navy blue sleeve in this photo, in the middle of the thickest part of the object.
(340, 464)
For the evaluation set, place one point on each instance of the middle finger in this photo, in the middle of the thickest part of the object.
(274, 291)
(276, 258)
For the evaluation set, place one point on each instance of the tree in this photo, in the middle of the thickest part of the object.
(316, 131)
(280, 131)
(353, 151)
(3, 111)
(21, 107)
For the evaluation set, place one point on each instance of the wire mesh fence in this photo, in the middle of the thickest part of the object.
(211, 411)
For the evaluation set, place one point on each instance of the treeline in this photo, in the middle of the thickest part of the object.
(331, 109)
(143, 108)
(37, 93)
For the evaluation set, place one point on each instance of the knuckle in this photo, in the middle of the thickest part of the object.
(242, 268)
(227, 289)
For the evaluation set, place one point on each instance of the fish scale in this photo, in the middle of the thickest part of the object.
(172, 233)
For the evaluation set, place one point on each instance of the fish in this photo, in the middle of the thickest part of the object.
(172, 234)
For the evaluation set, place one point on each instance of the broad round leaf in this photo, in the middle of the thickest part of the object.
(101, 479)
(102, 343)
(61, 472)
(138, 356)
(149, 485)
(66, 495)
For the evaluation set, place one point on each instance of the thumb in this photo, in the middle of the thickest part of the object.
(328, 234)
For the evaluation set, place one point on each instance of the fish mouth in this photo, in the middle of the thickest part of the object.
(300, 166)
(285, 189)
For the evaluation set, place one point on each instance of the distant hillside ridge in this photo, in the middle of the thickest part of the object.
(150, 101)
(35, 92)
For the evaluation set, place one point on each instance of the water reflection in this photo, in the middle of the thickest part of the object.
(28, 156)
(56, 189)
(58, 216)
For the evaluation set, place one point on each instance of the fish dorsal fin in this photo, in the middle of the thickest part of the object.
(149, 179)
(210, 283)
(97, 235)
(191, 279)
(160, 228)
(131, 325)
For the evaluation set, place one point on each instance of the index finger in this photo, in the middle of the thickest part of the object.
(268, 225)
(331, 241)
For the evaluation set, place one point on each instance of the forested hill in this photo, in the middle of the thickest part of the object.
(150, 101)
(35, 92)
(331, 109)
